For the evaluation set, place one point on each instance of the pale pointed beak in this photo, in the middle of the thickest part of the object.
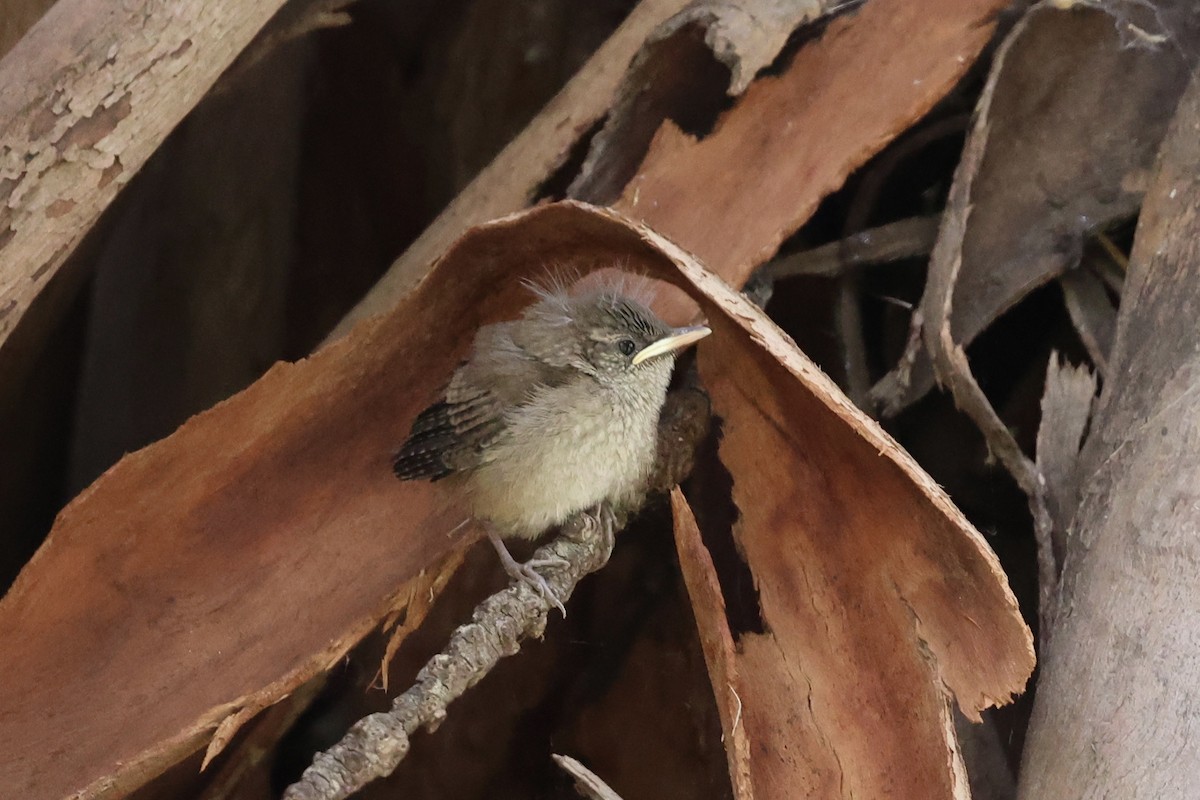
(677, 339)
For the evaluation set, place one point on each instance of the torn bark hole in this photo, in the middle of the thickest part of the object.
(807, 33)
(710, 494)
(685, 84)
(696, 112)
(555, 186)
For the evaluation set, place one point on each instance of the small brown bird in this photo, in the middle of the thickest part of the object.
(551, 414)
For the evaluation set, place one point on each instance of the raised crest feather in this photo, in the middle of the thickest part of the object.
(559, 285)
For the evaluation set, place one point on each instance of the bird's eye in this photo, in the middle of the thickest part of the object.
(626, 346)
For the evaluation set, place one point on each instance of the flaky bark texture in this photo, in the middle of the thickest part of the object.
(1117, 705)
(75, 129)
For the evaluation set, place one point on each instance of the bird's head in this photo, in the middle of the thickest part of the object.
(607, 334)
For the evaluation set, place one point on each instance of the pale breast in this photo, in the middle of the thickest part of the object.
(552, 462)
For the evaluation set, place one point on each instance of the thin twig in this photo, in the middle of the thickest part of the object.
(1092, 313)
(907, 238)
(949, 359)
(1111, 270)
(587, 783)
(375, 745)
(847, 310)
(1114, 252)
(848, 319)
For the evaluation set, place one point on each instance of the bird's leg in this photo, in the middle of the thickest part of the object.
(603, 514)
(527, 572)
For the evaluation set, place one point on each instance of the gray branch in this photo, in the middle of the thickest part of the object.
(376, 745)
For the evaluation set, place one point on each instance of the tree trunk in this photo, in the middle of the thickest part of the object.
(1118, 702)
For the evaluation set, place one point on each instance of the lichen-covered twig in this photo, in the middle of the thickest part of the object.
(375, 745)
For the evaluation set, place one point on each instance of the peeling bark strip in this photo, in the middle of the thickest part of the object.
(996, 241)
(1071, 106)
(1118, 703)
(878, 600)
(85, 97)
(1066, 408)
(949, 359)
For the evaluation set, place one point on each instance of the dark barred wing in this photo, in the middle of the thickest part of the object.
(453, 435)
(450, 436)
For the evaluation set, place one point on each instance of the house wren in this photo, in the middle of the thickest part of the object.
(551, 414)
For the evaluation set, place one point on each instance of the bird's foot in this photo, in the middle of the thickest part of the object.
(528, 572)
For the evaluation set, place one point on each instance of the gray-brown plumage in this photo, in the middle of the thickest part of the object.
(551, 414)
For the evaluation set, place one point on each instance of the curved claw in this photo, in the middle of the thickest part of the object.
(538, 583)
(527, 573)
